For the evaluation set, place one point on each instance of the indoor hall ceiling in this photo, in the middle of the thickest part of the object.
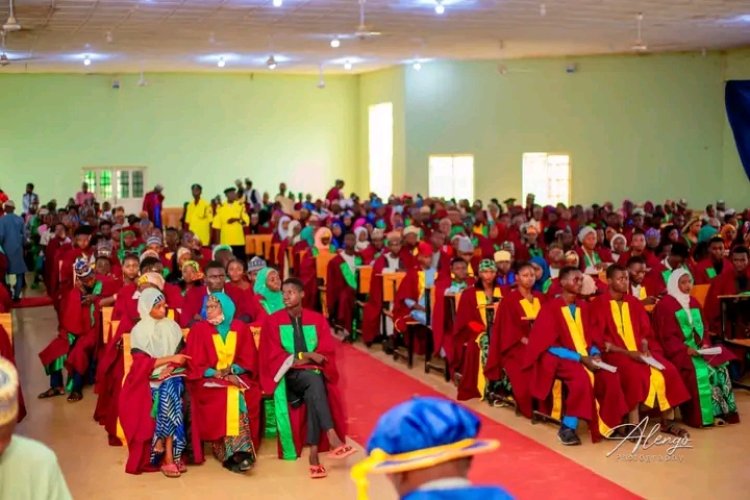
(194, 35)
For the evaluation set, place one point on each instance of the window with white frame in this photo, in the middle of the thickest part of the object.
(117, 185)
(547, 176)
(452, 176)
(381, 148)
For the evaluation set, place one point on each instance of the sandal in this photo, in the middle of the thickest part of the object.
(719, 422)
(170, 470)
(673, 429)
(181, 466)
(318, 472)
(342, 452)
(52, 392)
(75, 397)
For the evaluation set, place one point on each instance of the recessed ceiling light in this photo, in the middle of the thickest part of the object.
(439, 8)
(87, 61)
(222, 62)
(348, 65)
(271, 62)
(278, 3)
(417, 66)
(335, 43)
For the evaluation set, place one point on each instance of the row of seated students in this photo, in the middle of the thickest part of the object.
(565, 351)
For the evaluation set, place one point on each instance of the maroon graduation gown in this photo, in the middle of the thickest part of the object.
(272, 356)
(635, 376)
(550, 330)
(209, 405)
(340, 296)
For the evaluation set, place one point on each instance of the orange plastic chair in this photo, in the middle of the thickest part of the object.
(391, 282)
(365, 279)
(107, 323)
(699, 292)
(6, 321)
(321, 264)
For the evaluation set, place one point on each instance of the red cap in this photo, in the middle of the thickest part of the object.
(425, 249)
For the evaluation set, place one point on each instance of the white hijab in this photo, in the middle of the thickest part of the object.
(361, 245)
(157, 338)
(290, 232)
(283, 233)
(673, 289)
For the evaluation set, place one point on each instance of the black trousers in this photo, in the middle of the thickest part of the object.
(309, 386)
(239, 252)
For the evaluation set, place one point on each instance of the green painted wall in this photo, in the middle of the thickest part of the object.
(184, 127)
(650, 127)
(637, 127)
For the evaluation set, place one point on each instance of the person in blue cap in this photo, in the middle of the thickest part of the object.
(426, 446)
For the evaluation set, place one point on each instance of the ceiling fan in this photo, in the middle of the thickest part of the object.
(363, 31)
(4, 60)
(11, 24)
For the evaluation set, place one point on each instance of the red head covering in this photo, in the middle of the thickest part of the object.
(424, 249)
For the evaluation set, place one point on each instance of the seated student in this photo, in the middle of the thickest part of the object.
(222, 381)
(111, 366)
(342, 284)
(712, 266)
(192, 277)
(564, 343)
(458, 281)
(510, 336)
(223, 254)
(28, 469)
(680, 328)
(506, 277)
(239, 287)
(734, 280)
(308, 271)
(150, 263)
(657, 279)
(255, 265)
(543, 281)
(627, 339)
(363, 247)
(471, 330)
(81, 249)
(638, 248)
(194, 308)
(298, 365)
(291, 238)
(592, 257)
(371, 313)
(410, 300)
(150, 406)
(636, 277)
(427, 461)
(78, 332)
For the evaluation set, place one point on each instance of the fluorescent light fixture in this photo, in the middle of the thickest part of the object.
(278, 3)
(348, 65)
(222, 62)
(417, 65)
(87, 61)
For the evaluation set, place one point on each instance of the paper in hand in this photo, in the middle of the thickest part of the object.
(710, 351)
(651, 361)
(604, 366)
(285, 366)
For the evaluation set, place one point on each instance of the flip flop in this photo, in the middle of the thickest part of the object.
(342, 452)
(181, 466)
(75, 397)
(318, 472)
(170, 470)
(52, 393)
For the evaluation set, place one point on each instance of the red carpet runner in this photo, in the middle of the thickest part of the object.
(37, 301)
(524, 467)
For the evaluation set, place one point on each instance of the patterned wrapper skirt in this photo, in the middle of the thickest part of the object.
(242, 443)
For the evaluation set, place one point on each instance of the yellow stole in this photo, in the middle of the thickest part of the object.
(575, 328)
(482, 306)
(657, 391)
(225, 350)
(530, 308)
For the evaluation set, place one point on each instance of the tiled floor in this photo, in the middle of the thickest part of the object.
(714, 468)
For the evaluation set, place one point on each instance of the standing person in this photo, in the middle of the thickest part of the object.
(252, 197)
(28, 469)
(30, 199)
(298, 365)
(335, 193)
(199, 215)
(427, 461)
(152, 204)
(84, 196)
(230, 220)
(11, 241)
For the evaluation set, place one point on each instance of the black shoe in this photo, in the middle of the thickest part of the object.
(568, 436)
(389, 346)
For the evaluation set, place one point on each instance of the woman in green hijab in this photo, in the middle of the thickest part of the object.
(267, 289)
(222, 375)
